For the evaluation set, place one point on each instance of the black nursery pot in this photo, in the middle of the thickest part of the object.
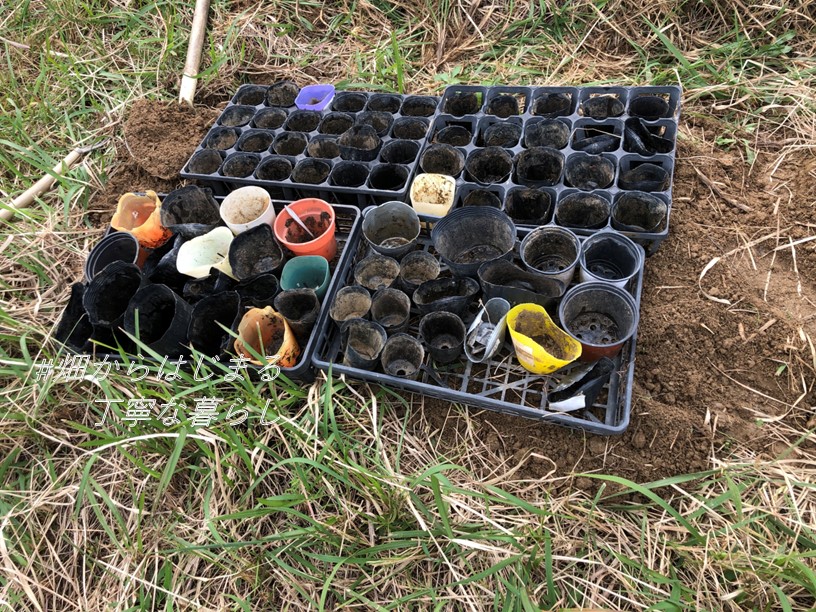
(282, 93)
(349, 174)
(410, 128)
(116, 246)
(274, 168)
(311, 171)
(489, 165)
(159, 318)
(539, 166)
(206, 161)
(602, 107)
(419, 106)
(546, 133)
(645, 177)
(503, 279)
(529, 206)
(454, 295)
(467, 237)
(582, 210)
(589, 172)
(391, 308)
(482, 197)
(416, 268)
(323, 147)
(501, 134)
(503, 106)
(74, 328)
(444, 334)
(254, 141)
(454, 135)
(240, 165)
(161, 265)
(442, 159)
(402, 356)
(258, 291)
(302, 121)
(349, 102)
(385, 103)
(376, 272)
(269, 118)
(352, 302)
(300, 308)
(204, 332)
(462, 103)
(400, 152)
(196, 289)
(359, 143)
(388, 177)
(290, 143)
(380, 121)
(189, 211)
(363, 343)
(255, 251)
(552, 105)
(107, 296)
(237, 116)
(335, 123)
(639, 212)
(221, 138)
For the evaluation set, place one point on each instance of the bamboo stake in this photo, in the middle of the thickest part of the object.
(25, 199)
(189, 79)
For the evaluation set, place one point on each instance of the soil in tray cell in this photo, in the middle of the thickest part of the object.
(316, 224)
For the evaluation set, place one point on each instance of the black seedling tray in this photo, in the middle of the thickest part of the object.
(347, 228)
(286, 188)
(578, 124)
(501, 384)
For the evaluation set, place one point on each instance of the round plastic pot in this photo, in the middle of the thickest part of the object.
(349, 174)
(315, 97)
(552, 252)
(503, 279)
(319, 217)
(410, 128)
(639, 212)
(391, 308)
(433, 194)
(400, 152)
(541, 346)
(255, 252)
(485, 336)
(391, 228)
(611, 257)
(258, 291)
(290, 143)
(300, 308)
(240, 165)
(162, 265)
(402, 356)
(159, 318)
(247, 207)
(302, 121)
(601, 316)
(206, 161)
(335, 123)
(237, 116)
(449, 294)
(198, 288)
(547, 133)
(269, 118)
(352, 302)
(204, 333)
(197, 256)
(468, 237)
(311, 171)
(589, 172)
(649, 108)
(501, 134)
(363, 343)
(454, 135)
(376, 272)
(306, 272)
(462, 103)
(359, 143)
(582, 210)
(282, 93)
(141, 216)
(74, 329)
(552, 105)
(489, 165)
(254, 141)
(503, 106)
(187, 211)
(116, 246)
(419, 106)
(349, 102)
(265, 333)
(482, 197)
(416, 268)
(385, 103)
(274, 169)
(107, 296)
(442, 159)
(645, 177)
(221, 138)
(379, 121)
(444, 335)
(602, 107)
(539, 166)
(528, 206)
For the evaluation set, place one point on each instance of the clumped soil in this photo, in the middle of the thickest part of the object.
(705, 366)
(317, 224)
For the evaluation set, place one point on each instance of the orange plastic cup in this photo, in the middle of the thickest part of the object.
(316, 214)
(141, 216)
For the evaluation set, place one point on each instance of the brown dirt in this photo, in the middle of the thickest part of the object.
(707, 372)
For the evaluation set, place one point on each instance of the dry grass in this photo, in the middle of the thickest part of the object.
(344, 500)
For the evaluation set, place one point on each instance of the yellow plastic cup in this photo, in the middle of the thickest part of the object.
(536, 322)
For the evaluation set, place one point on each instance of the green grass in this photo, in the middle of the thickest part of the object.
(333, 500)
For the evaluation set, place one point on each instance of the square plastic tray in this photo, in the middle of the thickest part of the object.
(501, 384)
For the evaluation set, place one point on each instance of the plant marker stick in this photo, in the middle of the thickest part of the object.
(190, 76)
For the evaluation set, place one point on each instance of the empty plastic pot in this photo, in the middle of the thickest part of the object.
(454, 135)
(402, 356)
(352, 302)
(468, 237)
(639, 212)
(302, 121)
(335, 123)
(391, 228)
(449, 294)
(300, 308)
(116, 246)
(141, 216)
(541, 346)
(107, 296)
(489, 165)
(376, 272)
(411, 128)
(306, 272)
(444, 335)
(349, 102)
(349, 174)
(189, 210)
(363, 343)
(611, 257)
(602, 107)
(645, 177)
(315, 97)
(159, 318)
(247, 207)
(282, 93)
(528, 206)
(501, 134)
(433, 194)
(359, 143)
(265, 333)
(378, 120)
(546, 133)
(582, 210)
(311, 171)
(74, 328)
(462, 103)
(290, 143)
(391, 308)
(417, 268)
(442, 159)
(503, 279)
(552, 105)
(539, 166)
(197, 256)
(255, 251)
(589, 171)
(551, 251)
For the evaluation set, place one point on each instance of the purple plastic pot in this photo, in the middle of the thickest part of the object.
(315, 97)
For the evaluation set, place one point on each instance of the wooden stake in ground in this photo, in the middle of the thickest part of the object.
(190, 77)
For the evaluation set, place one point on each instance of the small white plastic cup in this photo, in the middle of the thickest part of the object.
(247, 207)
(197, 256)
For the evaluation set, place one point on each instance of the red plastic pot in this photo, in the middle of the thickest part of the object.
(315, 213)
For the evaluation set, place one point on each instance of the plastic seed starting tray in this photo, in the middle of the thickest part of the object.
(347, 227)
(500, 384)
(295, 153)
(609, 115)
